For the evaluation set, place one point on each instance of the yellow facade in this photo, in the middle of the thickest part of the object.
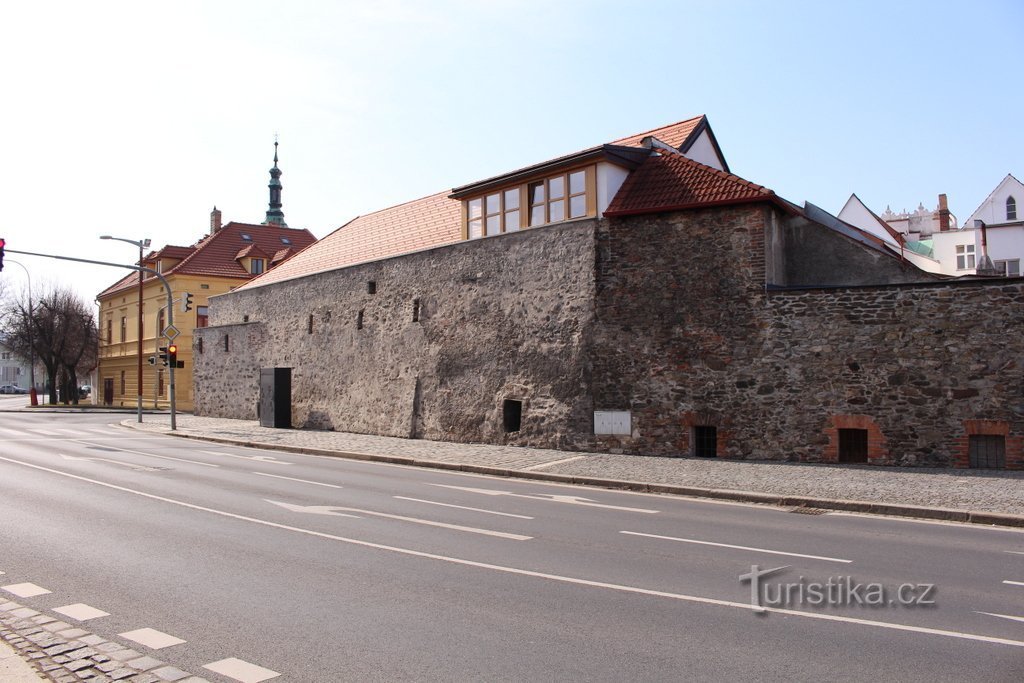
(117, 373)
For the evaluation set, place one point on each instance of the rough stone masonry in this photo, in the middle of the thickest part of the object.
(713, 318)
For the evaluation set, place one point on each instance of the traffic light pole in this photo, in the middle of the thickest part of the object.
(140, 269)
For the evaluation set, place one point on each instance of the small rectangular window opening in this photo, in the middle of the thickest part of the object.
(359, 320)
(512, 415)
(853, 445)
(987, 451)
(199, 345)
(226, 343)
(705, 441)
(371, 287)
(415, 310)
(309, 324)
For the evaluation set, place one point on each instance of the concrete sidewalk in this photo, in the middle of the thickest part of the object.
(979, 496)
(14, 669)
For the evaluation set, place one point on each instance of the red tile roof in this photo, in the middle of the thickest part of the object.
(670, 182)
(674, 134)
(217, 255)
(419, 224)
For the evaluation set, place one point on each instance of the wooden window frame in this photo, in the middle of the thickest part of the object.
(523, 211)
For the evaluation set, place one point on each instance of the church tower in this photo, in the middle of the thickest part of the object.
(275, 216)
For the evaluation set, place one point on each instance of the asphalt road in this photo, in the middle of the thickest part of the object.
(322, 569)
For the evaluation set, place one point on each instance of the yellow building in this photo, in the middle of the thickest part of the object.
(222, 260)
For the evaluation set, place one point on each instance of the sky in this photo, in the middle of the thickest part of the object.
(135, 119)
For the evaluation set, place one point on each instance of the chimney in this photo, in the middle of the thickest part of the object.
(943, 214)
(215, 221)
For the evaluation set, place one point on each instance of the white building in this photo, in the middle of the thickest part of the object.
(932, 240)
(13, 368)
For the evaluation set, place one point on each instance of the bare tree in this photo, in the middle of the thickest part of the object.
(63, 334)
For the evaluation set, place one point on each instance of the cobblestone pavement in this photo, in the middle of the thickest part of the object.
(60, 652)
(974, 490)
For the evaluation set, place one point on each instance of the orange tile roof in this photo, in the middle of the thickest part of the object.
(218, 255)
(670, 182)
(419, 224)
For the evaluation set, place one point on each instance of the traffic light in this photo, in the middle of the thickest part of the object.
(163, 355)
(172, 355)
(3, 243)
(186, 303)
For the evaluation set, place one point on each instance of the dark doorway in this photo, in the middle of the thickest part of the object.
(108, 391)
(853, 445)
(705, 441)
(512, 415)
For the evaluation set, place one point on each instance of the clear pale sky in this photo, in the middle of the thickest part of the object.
(136, 118)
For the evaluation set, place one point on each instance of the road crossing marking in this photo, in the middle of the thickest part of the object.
(462, 507)
(81, 612)
(25, 590)
(549, 497)
(736, 547)
(241, 670)
(636, 590)
(330, 510)
(151, 638)
(304, 481)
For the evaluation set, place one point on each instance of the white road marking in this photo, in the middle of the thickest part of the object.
(737, 547)
(1014, 583)
(148, 455)
(911, 520)
(304, 481)
(129, 465)
(549, 497)
(25, 590)
(1002, 616)
(1015, 552)
(81, 612)
(544, 465)
(151, 638)
(44, 432)
(269, 459)
(330, 510)
(409, 552)
(241, 670)
(462, 507)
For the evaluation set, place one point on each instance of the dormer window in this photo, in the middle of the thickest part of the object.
(256, 266)
(1011, 209)
(552, 199)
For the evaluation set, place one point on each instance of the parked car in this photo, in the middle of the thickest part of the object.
(84, 391)
(11, 389)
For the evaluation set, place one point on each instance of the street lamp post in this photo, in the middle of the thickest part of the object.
(34, 400)
(141, 244)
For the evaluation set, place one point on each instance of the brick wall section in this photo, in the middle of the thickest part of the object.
(501, 318)
(878, 450)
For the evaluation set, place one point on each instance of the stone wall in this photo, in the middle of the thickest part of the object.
(504, 318)
(686, 335)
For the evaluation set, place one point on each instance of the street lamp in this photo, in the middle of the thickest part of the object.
(33, 399)
(141, 244)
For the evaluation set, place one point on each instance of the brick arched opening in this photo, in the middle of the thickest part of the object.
(695, 426)
(877, 451)
(1014, 445)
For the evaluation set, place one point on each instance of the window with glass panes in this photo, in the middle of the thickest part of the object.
(553, 199)
(964, 256)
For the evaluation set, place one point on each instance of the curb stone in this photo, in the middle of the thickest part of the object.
(863, 506)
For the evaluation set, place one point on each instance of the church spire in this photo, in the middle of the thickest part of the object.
(275, 216)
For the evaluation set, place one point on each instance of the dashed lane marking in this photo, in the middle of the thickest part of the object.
(462, 507)
(25, 590)
(269, 459)
(81, 612)
(736, 547)
(148, 455)
(1014, 583)
(241, 670)
(517, 571)
(151, 638)
(304, 481)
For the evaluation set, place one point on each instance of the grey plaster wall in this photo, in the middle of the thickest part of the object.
(499, 318)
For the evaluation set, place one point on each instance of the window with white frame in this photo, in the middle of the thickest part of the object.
(553, 199)
(964, 256)
(1009, 267)
(1011, 209)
